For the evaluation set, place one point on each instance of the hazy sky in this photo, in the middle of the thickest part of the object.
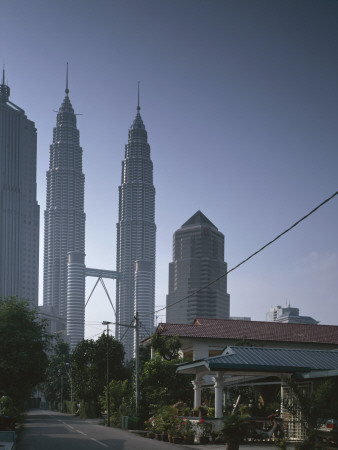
(240, 101)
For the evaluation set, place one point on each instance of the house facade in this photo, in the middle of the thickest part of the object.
(208, 337)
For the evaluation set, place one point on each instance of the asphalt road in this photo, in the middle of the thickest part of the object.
(50, 430)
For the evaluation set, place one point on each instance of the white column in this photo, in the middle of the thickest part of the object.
(76, 297)
(197, 383)
(218, 385)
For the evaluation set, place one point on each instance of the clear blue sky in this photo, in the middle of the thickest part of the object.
(240, 100)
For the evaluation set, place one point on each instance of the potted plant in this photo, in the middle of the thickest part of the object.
(234, 430)
(148, 426)
(211, 412)
(202, 411)
(176, 431)
(217, 437)
(195, 412)
(188, 432)
(158, 425)
(205, 430)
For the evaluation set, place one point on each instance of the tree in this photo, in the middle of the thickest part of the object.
(167, 347)
(122, 400)
(57, 373)
(23, 346)
(161, 386)
(89, 366)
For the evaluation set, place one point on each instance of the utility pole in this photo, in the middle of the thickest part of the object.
(137, 358)
(108, 398)
(137, 390)
(61, 391)
(69, 374)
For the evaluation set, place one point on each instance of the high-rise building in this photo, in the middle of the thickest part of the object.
(64, 215)
(198, 259)
(288, 315)
(136, 239)
(19, 210)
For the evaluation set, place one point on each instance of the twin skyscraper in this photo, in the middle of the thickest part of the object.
(64, 249)
(198, 246)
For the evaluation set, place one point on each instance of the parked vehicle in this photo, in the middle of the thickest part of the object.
(328, 432)
(266, 428)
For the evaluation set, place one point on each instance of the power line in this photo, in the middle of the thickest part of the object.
(249, 257)
(128, 327)
(145, 328)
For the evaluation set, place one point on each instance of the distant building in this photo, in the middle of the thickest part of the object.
(64, 222)
(240, 318)
(198, 259)
(288, 315)
(19, 210)
(136, 239)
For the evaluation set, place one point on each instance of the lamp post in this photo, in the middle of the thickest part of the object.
(108, 398)
(61, 391)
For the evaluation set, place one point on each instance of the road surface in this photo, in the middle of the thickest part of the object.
(50, 430)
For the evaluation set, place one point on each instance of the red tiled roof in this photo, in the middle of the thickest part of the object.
(252, 330)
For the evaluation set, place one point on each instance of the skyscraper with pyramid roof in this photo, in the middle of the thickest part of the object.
(198, 259)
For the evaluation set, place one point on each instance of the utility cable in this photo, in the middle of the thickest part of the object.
(144, 328)
(249, 257)
(128, 327)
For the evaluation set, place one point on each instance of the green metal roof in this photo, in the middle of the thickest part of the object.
(256, 359)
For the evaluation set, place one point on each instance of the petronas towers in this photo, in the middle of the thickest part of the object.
(64, 214)
(64, 242)
(198, 245)
(136, 235)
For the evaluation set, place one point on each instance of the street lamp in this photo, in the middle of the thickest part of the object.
(108, 399)
(61, 375)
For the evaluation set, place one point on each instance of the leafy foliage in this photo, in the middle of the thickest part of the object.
(160, 385)
(58, 366)
(244, 342)
(167, 348)
(122, 401)
(234, 428)
(23, 344)
(89, 366)
(321, 404)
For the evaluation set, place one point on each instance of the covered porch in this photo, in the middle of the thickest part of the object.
(239, 366)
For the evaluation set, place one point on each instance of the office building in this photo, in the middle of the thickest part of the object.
(288, 315)
(19, 210)
(198, 259)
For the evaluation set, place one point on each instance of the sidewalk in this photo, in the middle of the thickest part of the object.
(7, 439)
(253, 446)
(269, 446)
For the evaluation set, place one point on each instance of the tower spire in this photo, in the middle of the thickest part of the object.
(67, 90)
(138, 96)
(4, 89)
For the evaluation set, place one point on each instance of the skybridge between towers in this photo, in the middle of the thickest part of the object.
(100, 274)
(77, 273)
